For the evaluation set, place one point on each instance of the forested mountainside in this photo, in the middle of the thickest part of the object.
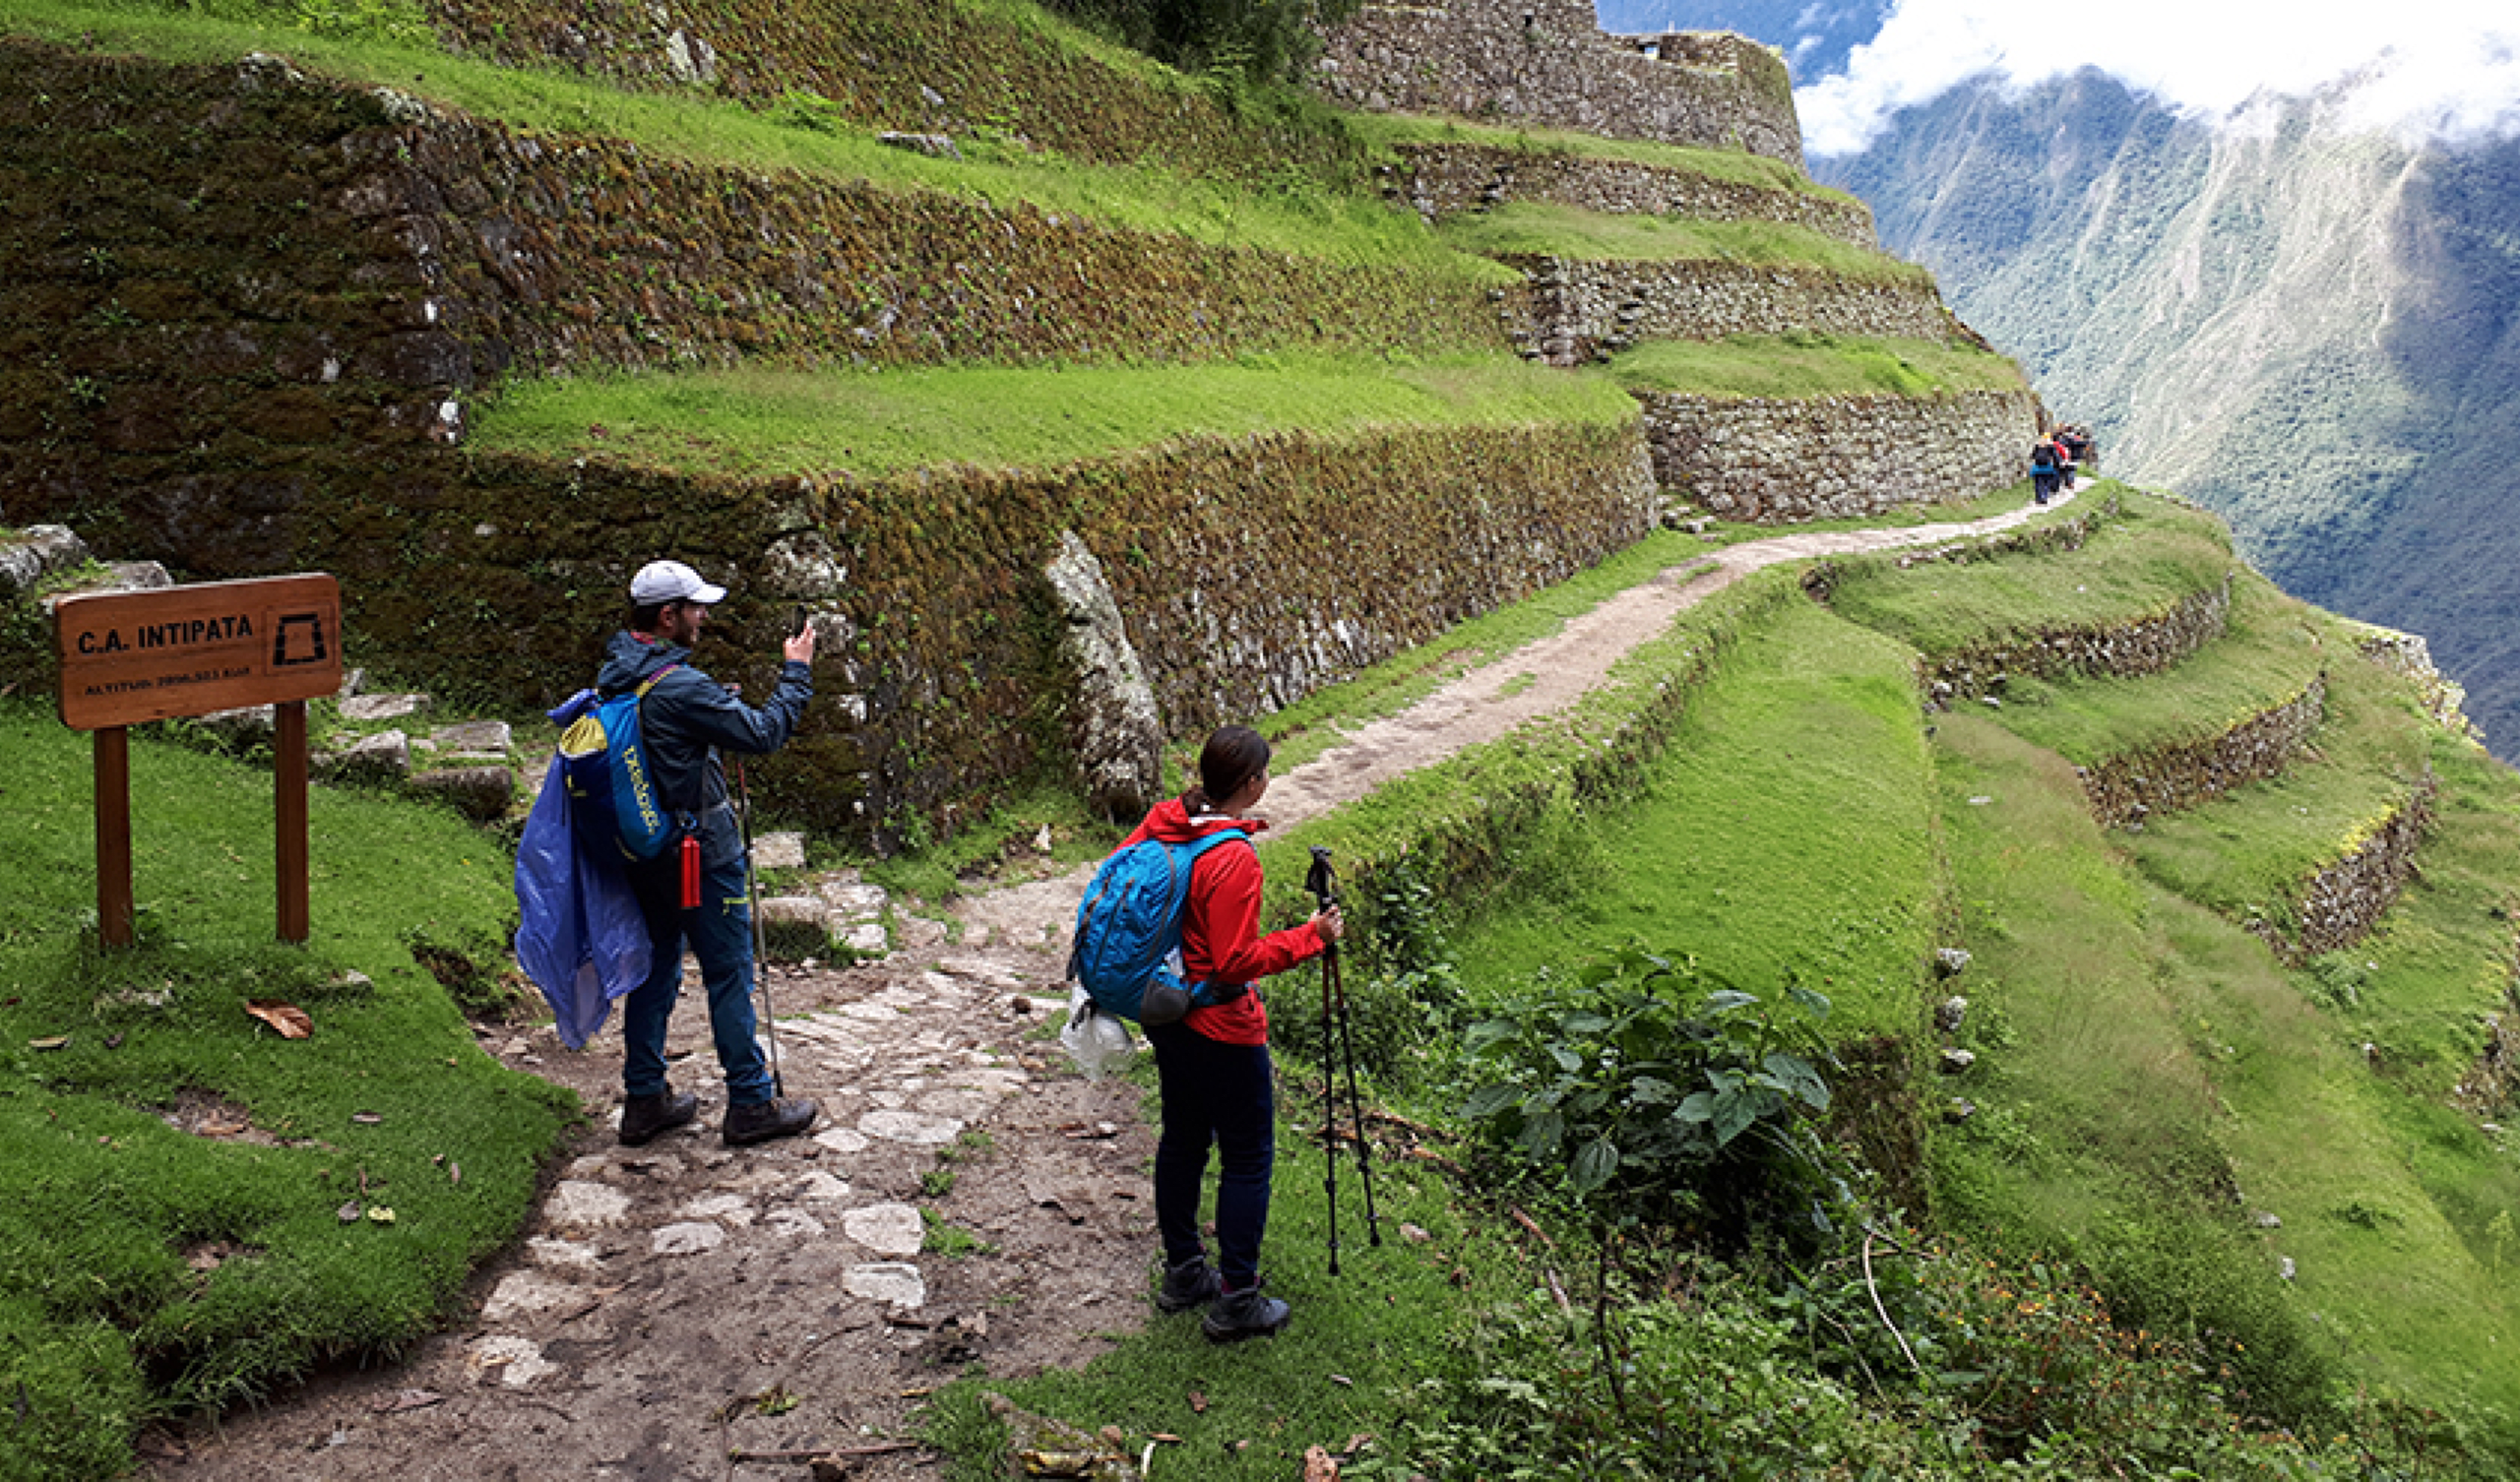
(2314, 332)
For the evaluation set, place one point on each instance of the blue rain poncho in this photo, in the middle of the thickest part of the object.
(583, 941)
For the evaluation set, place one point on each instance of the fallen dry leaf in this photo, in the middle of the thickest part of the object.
(381, 1215)
(347, 1213)
(1198, 1403)
(366, 1119)
(290, 1020)
(1318, 1466)
(1167, 1437)
(405, 1400)
(54, 1042)
(222, 1127)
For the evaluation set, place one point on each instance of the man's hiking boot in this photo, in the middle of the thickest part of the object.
(1246, 1314)
(643, 1118)
(761, 1121)
(1192, 1283)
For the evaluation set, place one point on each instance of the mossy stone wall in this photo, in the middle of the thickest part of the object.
(915, 66)
(2145, 646)
(1583, 310)
(1779, 460)
(1439, 180)
(2171, 775)
(1547, 62)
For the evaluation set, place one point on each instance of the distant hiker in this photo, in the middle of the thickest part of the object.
(2075, 439)
(1213, 1065)
(695, 889)
(2042, 469)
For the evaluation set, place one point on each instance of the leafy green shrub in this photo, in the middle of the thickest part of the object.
(1664, 1100)
(1404, 989)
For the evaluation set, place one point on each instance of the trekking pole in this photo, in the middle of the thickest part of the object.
(1345, 1024)
(760, 950)
(1323, 888)
(1355, 1102)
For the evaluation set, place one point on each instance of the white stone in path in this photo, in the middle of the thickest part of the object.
(867, 939)
(818, 1187)
(896, 1282)
(918, 1129)
(573, 1254)
(517, 1362)
(731, 1208)
(790, 1222)
(578, 1203)
(524, 1293)
(965, 1104)
(689, 1238)
(886, 1229)
(843, 1141)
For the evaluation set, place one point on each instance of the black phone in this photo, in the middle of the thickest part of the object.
(797, 621)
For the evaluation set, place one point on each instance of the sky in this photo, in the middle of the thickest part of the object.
(2440, 68)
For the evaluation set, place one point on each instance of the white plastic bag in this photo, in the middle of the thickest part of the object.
(1099, 1040)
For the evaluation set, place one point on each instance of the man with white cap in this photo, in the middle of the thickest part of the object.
(695, 889)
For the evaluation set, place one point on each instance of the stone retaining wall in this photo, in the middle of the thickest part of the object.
(2339, 905)
(2167, 778)
(1582, 311)
(1547, 62)
(2146, 646)
(1775, 460)
(1439, 180)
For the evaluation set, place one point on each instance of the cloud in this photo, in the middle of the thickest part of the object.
(2439, 67)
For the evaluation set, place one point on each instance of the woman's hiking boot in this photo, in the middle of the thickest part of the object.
(1246, 1313)
(1192, 1283)
(761, 1121)
(644, 1118)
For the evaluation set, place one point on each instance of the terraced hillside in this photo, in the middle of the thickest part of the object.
(387, 271)
(1065, 391)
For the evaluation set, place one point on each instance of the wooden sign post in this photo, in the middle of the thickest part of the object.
(129, 656)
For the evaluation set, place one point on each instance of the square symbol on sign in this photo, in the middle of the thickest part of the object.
(298, 640)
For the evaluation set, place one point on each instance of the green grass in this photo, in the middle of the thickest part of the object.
(797, 422)
(2247, 853)
(1525, 227)
(2131, 568)
(1302, 218)
(2272, 648)
(1787, 831)
(1806, 364)
(1347, 1364)
(101, 1202)
(1739, 166)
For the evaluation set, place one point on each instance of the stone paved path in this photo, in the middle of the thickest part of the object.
(967, 1199)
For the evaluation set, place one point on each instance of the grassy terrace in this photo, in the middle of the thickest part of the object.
(2247, 853)
(2150, 1081)
(2272, 648)
(770, 422)
(1788, 833)
(1738, 166)
(2130, 568)
(1526, 227)
(1805, 364)
(1306, 217)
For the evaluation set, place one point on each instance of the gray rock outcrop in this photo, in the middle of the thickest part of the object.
(1113, 721)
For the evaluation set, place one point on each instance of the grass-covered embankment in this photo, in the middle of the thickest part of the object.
(2136, 566)
(1532, 228)
(323, 1196)
(762, 422)
(1808, 365)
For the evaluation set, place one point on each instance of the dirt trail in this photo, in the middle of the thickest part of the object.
(671, 1304)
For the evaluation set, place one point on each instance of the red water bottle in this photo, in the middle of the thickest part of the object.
(690, 872)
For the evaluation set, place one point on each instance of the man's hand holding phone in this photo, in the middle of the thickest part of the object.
(800, 647)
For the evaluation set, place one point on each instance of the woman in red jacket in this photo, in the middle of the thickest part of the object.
(1213, 1065)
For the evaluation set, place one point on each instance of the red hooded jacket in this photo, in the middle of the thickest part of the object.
(1221, 924)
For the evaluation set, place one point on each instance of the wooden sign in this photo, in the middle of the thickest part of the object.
(129, 656)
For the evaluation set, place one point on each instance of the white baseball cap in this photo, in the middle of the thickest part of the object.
(661, 581)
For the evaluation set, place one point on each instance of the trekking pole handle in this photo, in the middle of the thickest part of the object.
(1321, 881)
